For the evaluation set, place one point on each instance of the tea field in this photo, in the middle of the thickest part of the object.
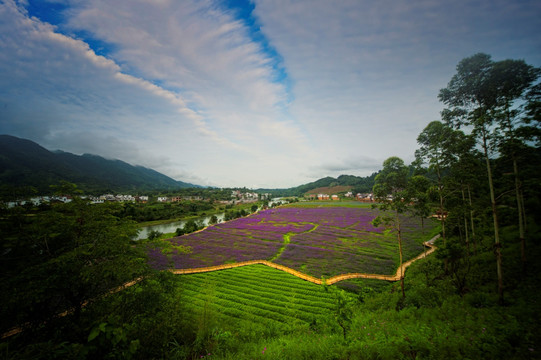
(263, 299)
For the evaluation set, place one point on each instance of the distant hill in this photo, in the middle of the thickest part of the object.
(330, 190)
(356, 184)
(24, 163)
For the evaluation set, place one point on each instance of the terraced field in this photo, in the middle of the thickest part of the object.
(267, 299)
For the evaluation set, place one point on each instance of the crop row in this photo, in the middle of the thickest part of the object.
(276, 296)
(265, 303)
(329, 251)
(290, 285)
(224, 309)
(269, 275)
(242, 306)
(235, 294)
(336, 216)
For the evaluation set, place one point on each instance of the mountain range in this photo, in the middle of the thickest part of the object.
(25, 165)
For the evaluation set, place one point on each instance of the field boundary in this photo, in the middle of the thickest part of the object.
(332, 280)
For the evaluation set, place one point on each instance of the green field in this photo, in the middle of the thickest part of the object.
(261, 299)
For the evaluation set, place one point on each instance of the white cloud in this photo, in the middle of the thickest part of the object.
(56, 86)
(216, 113)
(183, 87)
(366, 74)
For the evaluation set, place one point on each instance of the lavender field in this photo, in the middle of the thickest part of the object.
(319, 241)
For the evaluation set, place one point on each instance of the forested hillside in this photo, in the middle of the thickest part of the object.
(358, 184)
(25, 165)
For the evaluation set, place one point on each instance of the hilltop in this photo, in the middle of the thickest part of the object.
(330, 185)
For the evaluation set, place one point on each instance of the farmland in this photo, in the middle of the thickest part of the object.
(319, 241)
(267, 298)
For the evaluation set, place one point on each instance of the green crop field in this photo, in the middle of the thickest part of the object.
(258, 297)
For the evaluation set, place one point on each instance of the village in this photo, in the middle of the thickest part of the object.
(366, 197)
(237, 197)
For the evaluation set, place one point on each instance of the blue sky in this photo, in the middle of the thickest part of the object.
(244, 93)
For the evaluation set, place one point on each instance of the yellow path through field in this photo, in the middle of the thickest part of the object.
(429, 244)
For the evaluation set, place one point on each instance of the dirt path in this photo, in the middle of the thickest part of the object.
(429, 244)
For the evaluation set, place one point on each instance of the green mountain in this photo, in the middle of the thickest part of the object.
(359, 185)
(25, 164)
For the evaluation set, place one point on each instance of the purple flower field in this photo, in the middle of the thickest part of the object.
(324, 241)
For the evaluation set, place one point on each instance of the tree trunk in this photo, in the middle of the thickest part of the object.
(497, 245)
(471, 221)
(465, 221)
(442, 217)
(520, 216)
(400, 251)
(524, 218)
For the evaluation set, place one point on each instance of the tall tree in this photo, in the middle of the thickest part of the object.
(463, 177)
(483, 95)
(434, 141)
(441, 148)
(392, 193)
(510, 80)
(471, 98)
(419, 186)
(532, 115)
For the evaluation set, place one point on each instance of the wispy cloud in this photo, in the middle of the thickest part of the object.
(291, 92)
(197, 89)
(366, 74)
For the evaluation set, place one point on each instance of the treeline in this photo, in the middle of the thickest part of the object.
(478, 168)
(164, 211)
(359, 185)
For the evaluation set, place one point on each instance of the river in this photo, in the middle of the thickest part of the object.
(172, 226)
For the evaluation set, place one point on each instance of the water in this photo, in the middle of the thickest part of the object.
(172, 227)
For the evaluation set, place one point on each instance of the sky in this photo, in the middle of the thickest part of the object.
(236, 93)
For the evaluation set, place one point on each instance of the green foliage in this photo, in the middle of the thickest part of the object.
(154, 234)
(343, 311)
(165, 211)
(191, 226)
(60, 259)
(213, 220)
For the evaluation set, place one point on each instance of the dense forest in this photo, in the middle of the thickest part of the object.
(476, 170)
